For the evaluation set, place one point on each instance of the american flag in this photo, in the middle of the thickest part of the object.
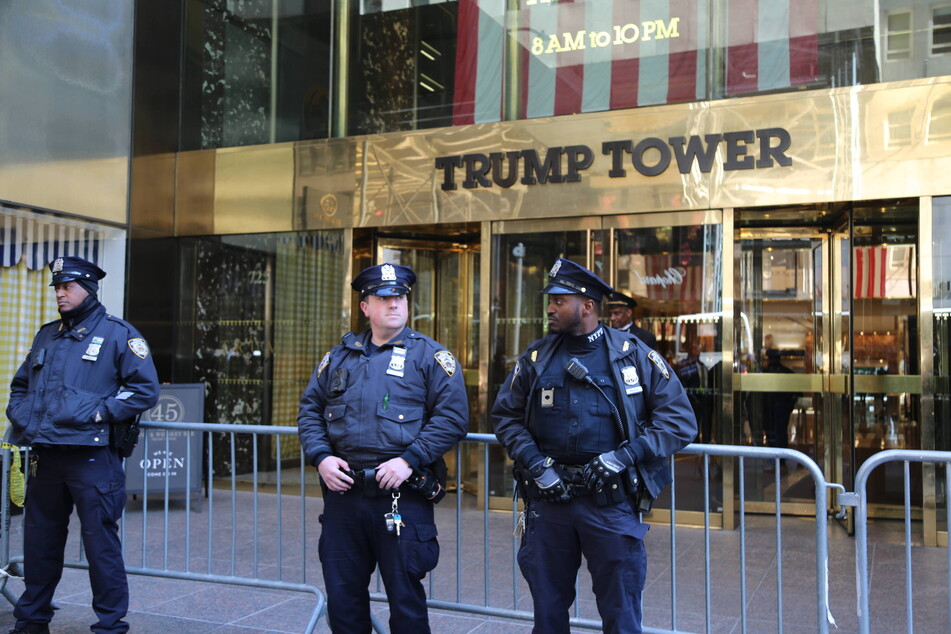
(662, 58)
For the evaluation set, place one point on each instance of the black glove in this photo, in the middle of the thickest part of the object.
(548, 478)
(426, 483)
(606, 466)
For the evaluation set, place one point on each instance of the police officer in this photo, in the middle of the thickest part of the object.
(621, 312)
(589, 415)
(377, 416)
(87, 376)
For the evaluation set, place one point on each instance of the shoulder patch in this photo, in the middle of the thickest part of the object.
(447, 361)
(516, 370)
(139, 347)
(323, 364)
(659, 362)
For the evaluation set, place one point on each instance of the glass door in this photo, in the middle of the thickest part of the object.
(672, 265)
(827, 297)
(444, 306)
(522, 254)
(784, 356)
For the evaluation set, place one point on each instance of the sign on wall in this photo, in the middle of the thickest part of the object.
(175, 453)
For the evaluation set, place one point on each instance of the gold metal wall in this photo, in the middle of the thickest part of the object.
(880, 141)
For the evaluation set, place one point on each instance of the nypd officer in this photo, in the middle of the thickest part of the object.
(86, 377)
(621, 313)
(377, 416)
(589, 415)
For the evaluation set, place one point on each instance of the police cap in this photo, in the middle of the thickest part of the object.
(568, 278)
(384, 279)
(620, 300)
(69, 268)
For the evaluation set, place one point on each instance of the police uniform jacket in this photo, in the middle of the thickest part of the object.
(76, 381)
(406, 400)
(652, 403)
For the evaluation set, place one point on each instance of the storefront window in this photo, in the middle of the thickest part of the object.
(255, 76)
(260, 312)
(675, 274)
(403, 58)
(252, 76)
(941, 240)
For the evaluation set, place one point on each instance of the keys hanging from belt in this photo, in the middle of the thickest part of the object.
(394, 521)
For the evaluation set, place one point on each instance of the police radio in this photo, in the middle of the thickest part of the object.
(577, 371)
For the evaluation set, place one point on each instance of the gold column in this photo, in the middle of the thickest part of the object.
(485, 314)
(926, 363)
(726, 368)
(510, 99)
(341, 51)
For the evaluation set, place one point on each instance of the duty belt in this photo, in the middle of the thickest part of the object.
(574, 479)
(365, 483)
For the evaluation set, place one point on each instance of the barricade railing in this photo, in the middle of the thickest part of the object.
(253, 531)
(206, 547)
(859, 499)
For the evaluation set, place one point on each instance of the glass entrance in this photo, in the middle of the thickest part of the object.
(671, 264)
(444, 303)
(826, 345)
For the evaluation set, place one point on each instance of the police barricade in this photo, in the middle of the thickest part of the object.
(260, 529)
(253, 533)
(487, 581)
(859, 499)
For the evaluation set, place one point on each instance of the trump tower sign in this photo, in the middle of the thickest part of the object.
(162, 452)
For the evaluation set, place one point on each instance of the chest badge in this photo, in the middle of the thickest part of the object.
(92, 350)
(397, 362)
(631, 381)
(447, 361)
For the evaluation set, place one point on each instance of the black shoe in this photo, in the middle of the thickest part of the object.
(31, 628)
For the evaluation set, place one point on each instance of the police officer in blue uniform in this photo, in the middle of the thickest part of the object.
(621, 313)
(87, 376)
(377, 416)
(590, 416)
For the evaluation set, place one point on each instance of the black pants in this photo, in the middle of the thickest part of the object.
(611, 540)
(92, 479)
(354, 540)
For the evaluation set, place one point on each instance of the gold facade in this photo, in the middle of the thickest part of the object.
(873, 143)
(879, 141)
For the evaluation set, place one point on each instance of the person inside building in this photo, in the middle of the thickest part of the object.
(86, 379)
(379, 413)
(621, 313)
(590, 416)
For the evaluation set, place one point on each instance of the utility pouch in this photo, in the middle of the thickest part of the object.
(614, 491)
(525, 484)
(125, 437)
(642, 497)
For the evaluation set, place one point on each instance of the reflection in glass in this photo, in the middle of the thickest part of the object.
(402, 66)
(519, 273)
(252, 76)
(675, 275)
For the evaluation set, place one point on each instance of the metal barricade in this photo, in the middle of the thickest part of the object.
(487, 565)
(239, 536)
(859, 499)
(255, 530)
